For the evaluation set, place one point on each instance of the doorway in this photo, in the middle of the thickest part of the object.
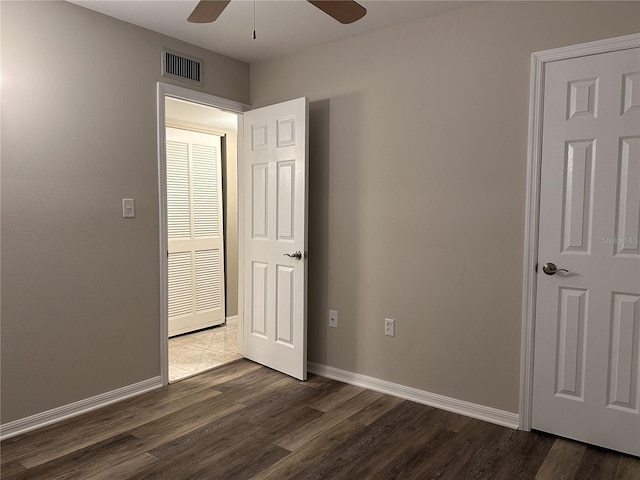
(206, 335)
(580, 363)
(274, 140)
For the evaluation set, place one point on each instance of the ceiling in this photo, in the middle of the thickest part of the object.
(282, 26)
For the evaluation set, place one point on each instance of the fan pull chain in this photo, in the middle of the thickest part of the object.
(254, 19)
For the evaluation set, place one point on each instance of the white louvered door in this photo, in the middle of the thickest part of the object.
(587, 330)
(195, 231)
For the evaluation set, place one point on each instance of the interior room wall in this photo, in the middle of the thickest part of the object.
(80, 284)
(417, 188)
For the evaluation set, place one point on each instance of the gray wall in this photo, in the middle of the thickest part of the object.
(417, 182)
(418, 151)
(80, 284)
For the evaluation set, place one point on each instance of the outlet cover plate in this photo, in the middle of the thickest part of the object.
(333, 318)
(389, 327)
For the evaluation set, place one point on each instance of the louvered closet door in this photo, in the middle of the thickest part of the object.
(195, 233)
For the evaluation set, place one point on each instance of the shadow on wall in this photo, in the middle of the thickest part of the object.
(334, 228)
(319, 159)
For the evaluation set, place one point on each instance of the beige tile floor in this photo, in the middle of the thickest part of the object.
(196, 352)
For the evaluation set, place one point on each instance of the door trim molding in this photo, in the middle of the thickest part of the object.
(534, 162)
(167, 90)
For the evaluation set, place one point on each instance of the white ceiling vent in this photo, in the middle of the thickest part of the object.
(181, 67)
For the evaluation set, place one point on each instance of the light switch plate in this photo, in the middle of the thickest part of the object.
(128, 208)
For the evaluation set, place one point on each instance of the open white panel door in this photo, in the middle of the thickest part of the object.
(274, 182)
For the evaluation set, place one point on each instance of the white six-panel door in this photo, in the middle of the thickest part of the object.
(274, 176)
(587, 330)
(195, 231)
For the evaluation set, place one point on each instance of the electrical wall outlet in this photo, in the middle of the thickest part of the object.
(333, 318)
(389, 327)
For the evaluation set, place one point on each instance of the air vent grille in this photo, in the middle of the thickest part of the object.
(181, 67)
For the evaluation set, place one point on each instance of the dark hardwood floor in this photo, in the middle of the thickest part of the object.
(244, 421)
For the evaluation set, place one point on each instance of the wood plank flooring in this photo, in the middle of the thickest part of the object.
(245, 421)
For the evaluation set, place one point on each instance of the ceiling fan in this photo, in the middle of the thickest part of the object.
(344, 11)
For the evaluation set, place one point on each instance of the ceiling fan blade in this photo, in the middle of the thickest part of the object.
(344, 11)
(207, 11)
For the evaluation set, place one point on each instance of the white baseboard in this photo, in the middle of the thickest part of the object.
(58, 414)
(232, 319)
(488, 414)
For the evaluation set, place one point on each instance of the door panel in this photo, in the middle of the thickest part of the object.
(275, 200)
(576, 228)
(195, 231)
(586, 360)
(623, 374)
(628, 208)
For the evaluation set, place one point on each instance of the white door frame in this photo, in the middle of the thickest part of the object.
(168, 90)
(534, 162)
